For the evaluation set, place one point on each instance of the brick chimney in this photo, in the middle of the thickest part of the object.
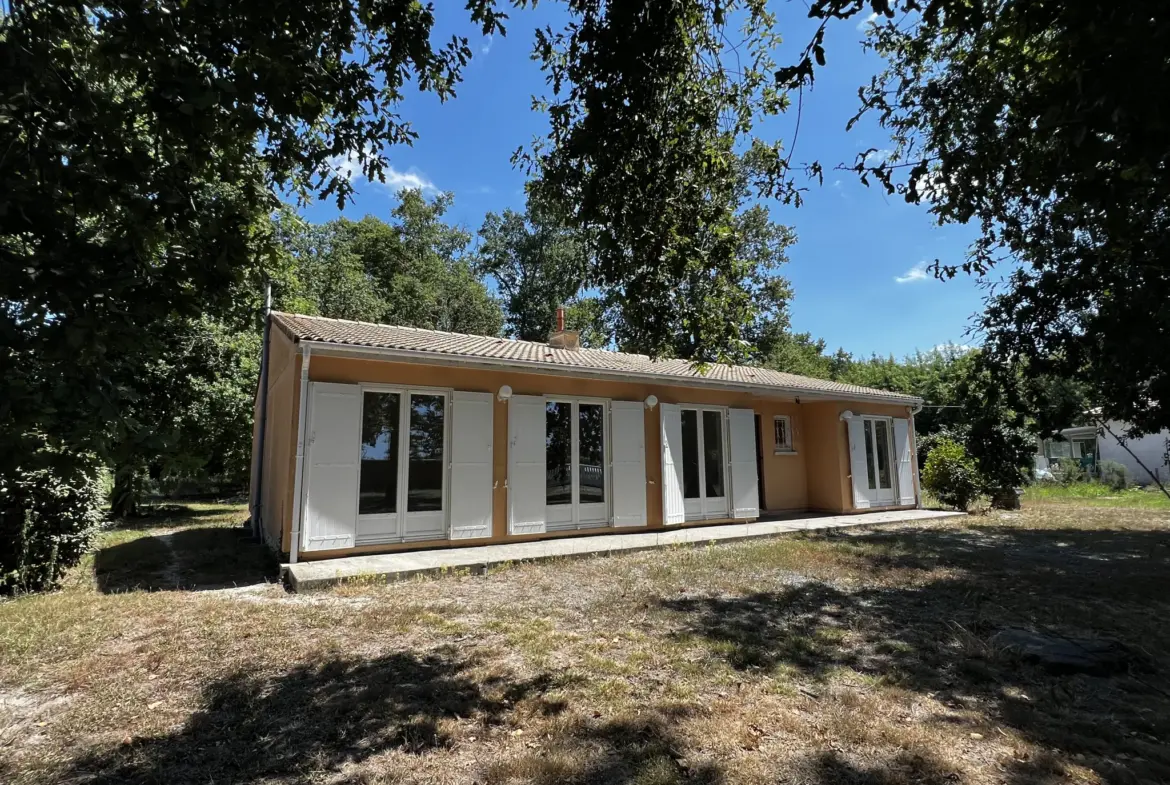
(560, 338)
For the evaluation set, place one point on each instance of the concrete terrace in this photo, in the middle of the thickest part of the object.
(307, 576)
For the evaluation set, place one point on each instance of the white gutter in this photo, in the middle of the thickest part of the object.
(299, 481)
(530, 366)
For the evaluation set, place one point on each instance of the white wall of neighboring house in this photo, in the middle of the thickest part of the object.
(1151, 450)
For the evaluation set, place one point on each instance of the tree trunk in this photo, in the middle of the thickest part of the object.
(126, 494)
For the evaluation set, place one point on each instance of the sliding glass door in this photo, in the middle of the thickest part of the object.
(402, 483)
(575, 465)
(704, 463)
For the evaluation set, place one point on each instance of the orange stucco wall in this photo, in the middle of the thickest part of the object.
(830, 477)
(279, 456)
(809, 477)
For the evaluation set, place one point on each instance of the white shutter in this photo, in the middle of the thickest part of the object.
(628, 426)
(673, 509)
(471, 465)
(745, 485)
(905, 452)
(335, 416)
(526, 465)
(857, 465)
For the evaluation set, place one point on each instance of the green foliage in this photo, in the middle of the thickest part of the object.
(538, 264)
(50, 511)
(1020, 117)
(650, 154)
(144, 148)
(950, 475)
(594, 320)
(414, 271)
(117, 215)
(1113, 474)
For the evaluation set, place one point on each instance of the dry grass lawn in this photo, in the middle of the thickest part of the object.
(864, 657)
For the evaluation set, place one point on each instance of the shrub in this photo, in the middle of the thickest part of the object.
(1114, 474)
(950, 475)
(50, 511)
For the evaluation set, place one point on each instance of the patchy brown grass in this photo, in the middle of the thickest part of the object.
(860, 657)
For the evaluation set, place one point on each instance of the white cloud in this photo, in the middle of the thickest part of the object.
(956, 348)
(931, 186)
(916, 273)
(877, 157)
(865, 22)
(487, 45)
(349, 167)
(397, 181)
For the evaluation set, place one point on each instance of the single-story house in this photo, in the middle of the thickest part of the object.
(374, 438)
(1087, 445)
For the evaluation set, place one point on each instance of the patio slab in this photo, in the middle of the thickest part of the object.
(311, 575)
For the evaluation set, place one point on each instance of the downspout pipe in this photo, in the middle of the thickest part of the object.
(915, 409)
(302, 431)
(258, 476)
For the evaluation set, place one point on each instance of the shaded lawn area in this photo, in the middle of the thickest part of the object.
(181, 547)
(862, 657)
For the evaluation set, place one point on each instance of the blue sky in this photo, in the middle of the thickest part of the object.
(856, 266)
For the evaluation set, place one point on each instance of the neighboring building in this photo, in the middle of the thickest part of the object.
(423, 439)
(1086, 446)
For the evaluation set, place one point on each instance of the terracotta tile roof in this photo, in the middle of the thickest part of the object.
(505, 351)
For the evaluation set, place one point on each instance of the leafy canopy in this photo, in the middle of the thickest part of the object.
(1046, 123)
(650, 154)
(144, 146)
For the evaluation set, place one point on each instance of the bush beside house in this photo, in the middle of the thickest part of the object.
(950, 475)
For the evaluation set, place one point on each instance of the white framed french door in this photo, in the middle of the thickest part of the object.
(402, 481)
(878, 436)
(576, 463)
(704, 462)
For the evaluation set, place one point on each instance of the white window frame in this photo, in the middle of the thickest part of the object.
(881, 496)
(698, 509)
(575, 505)
(400, 517)
(785, 448)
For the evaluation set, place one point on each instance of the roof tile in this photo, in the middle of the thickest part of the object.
(386, 336)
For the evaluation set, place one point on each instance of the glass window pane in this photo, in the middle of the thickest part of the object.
(558, 455)
(882, 438)
(424, 479)
(782, 442)
(690, 456)
(713, 453)
(869, 453)
(591, 453)
(378, 483)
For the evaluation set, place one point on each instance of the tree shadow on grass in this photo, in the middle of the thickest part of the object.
(313, 719)
(927, 620)
(834, 768)
(200, 558)
(642, 747)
